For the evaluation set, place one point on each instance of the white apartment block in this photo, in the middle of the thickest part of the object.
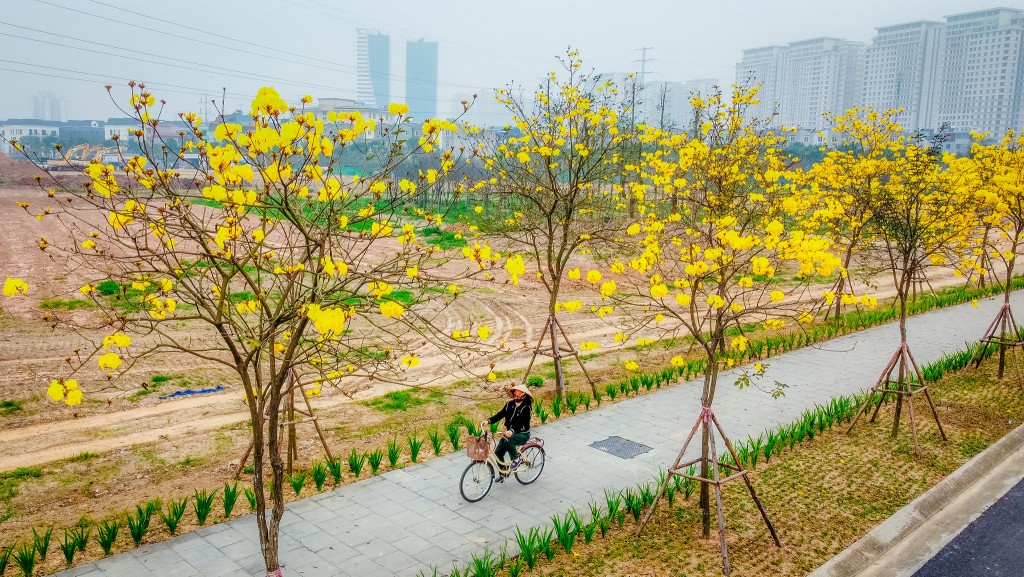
(762, 66)
(901, 70)
(25, 128)
(982, 83)
(819, 75)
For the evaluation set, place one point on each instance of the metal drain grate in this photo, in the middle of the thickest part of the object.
(623, 448)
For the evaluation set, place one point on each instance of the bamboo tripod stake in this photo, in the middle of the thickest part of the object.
(704, 421)
(289, 419)
(902, 362)
(556, 353)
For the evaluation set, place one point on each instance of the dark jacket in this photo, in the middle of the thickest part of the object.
(517, 419)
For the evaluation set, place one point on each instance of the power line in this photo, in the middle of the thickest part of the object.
(101, 82)
(107, 78)
(329, 65)
(220, 71)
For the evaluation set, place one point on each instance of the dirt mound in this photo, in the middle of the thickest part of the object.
(13, 170)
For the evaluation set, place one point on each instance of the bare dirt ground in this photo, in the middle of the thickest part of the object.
(125, 445)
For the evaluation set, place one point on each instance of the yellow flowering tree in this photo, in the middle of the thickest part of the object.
(301, 278)
(838, 192)
(995, 173)
(716, 264)
(923, 216)
(550, 185)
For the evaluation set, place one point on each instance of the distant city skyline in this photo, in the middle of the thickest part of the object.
(189, 52)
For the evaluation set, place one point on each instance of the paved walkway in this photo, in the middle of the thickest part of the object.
(406, 521)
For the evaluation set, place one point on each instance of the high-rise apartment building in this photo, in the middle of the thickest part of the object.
(762, 66)
(966, 73)
(373, 65)
(421, 79)
(819, 75)
(49, 106)
(982, 81)
(901, 70)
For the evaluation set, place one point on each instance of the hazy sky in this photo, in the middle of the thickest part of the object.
(186, 49)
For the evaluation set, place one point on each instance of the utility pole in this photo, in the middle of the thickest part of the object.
(643, 62)
(642, 80)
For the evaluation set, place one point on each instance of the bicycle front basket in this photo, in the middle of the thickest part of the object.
(477, 448)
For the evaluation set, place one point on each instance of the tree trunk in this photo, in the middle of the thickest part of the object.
(842, 281)
(705, 473)
(270, 553)
(710, 377)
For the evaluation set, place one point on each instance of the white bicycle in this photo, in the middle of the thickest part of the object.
(479, 475)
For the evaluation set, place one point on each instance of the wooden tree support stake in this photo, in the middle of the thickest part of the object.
(1008, 338)
(289, 419)
(557, 352)
(903, 386)
(704, 421)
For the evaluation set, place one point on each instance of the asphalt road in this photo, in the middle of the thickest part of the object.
(991, 546)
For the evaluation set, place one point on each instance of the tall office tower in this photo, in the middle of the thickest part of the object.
(901, 68)
(982, 80)
(421, 79)
(373, 63)
(762, 66)
(819, 75)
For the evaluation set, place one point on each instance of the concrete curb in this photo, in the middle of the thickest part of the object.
(869, 548)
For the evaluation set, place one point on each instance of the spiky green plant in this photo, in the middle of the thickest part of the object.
(175, 511)
(612, 391)
(5, 558)
(556, 407)
(572, 402)
(106, 534)
(25, 557)
(394, 452)
(528, 545)
(298, 481)
(415, 444)
(318, 471)
(202, 504)
(541, 411)
(545, 542)
(566, 529)
(250, 496)
(356, 462)
(81, 536)
(375, 457)
(454, 430)
(68, 547)
(484, 565)
(41, 541)
(138, 523)
(334, 467)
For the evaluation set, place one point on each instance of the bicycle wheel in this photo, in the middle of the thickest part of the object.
(533, 465)
(476, 481)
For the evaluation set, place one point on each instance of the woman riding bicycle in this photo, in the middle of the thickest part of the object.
(516, 414)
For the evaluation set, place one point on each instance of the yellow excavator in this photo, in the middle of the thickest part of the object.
(94, 154)
(79, 156)
(64, 162)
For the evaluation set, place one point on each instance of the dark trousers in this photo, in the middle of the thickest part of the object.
(509, 444)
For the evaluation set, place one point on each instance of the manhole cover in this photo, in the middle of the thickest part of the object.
(620, 447)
